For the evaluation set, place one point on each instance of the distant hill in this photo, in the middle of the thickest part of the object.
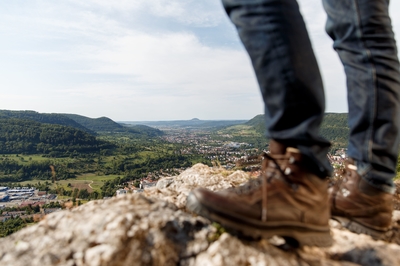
(194, 123)
(145, 130)
(258, 123)
(27, 136)
(106, 125)
(54, 119)
(89, 125)
(334, 127)
(95, 124)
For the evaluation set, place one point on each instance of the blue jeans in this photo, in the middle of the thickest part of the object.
(275, 37)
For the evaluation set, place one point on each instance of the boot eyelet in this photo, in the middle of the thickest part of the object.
(288, 171)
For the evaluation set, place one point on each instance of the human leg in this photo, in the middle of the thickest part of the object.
(275, 37)
(364, 40)
(290, 197)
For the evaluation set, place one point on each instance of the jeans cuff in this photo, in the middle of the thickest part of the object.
(365, 170)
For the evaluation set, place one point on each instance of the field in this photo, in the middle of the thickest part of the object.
(239, 130)
(24, 159)
(91, 182)
(89, 171)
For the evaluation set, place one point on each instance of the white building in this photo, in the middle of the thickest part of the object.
(121, 192)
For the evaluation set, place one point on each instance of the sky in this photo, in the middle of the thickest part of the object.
(142, 60)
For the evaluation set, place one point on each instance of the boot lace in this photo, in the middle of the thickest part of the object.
(273, 170)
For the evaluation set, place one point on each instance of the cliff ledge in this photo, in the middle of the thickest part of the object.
(153, 228)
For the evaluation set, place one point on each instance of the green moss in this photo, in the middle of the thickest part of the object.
(219, 231)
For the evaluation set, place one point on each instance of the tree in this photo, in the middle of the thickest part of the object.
(83, 194)
(75, 193)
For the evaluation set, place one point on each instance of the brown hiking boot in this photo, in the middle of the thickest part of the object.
(286, 200)
(359, 206)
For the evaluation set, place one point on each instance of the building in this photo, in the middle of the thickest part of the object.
(4, 198)
(50, 210)
(32, 203)
(42, 193)
(121, 192)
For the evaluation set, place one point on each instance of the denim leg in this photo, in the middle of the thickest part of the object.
(275, 37)
(363, 37)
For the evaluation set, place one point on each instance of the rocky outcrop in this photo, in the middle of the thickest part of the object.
(153, 228)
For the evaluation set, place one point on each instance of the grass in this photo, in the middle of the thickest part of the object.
(32, 182)
(91, 182)
(239, 130)
(24, 159)
(63, 197)
(95, 182)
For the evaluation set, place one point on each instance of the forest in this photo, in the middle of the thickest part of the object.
(19, 168)
(93, 126)
(35, 146)
(104, 125)
(30, 137)
(334, 128)
(54, 119)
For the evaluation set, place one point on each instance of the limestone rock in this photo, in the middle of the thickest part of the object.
(119, 231)
(176, 189)
(152, 228)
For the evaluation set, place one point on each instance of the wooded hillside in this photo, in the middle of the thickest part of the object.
(54, 119)
(106, 125)
(27, 136)
(89, 125)
(334, 127)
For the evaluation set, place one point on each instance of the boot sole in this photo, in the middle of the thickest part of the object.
(305, 235)
(358, 228)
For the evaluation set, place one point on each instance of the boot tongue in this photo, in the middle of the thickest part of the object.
(276, 147)
(294, 155)
(299, 162)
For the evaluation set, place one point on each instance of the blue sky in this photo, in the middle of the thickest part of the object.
(142, 59)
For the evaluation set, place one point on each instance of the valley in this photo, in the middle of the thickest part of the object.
(56, 155)
(72, 159)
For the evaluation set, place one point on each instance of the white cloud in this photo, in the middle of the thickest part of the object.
(193, 12)
(141, 59)
(175, 69)
(167, 58)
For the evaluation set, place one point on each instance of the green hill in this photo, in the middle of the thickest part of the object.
(54, 119)
(145, 130)
(31, 137)
(106, 125)
(334, 128)
(258, 123)
(194, 123)
(89, 125)
(102, 124)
